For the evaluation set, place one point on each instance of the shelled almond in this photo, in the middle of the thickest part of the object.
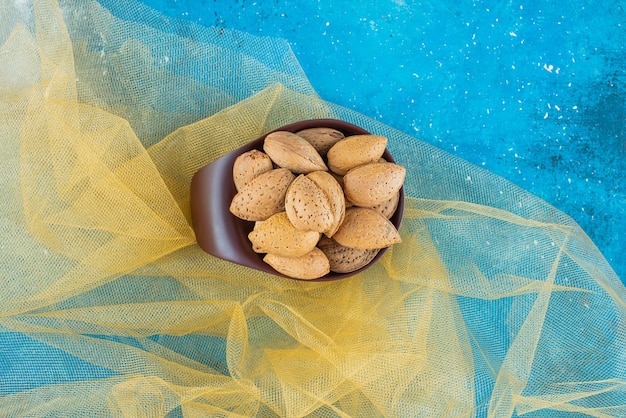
(322, 201)
(250, 165)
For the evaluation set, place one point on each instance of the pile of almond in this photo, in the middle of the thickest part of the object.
(321, 201)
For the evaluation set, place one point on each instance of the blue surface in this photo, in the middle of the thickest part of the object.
(533, 91)
(37, 364)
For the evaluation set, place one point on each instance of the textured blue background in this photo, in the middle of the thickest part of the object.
(533, 91)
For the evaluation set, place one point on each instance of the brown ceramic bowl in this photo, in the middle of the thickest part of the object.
(222, 234)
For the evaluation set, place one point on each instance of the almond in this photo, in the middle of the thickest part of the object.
(366, 229)
(388, 208)
(345, 259)
(249, 165)
(322, 139)
(355, 150)
(334, 193)
(371, 184)
(277, 235)
(290, 151)
(263, 196)
(307, 206)
(339, 179)
(312, 265)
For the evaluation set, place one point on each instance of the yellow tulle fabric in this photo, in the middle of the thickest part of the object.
(495, 304)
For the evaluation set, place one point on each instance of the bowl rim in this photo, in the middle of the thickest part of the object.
(212, 189)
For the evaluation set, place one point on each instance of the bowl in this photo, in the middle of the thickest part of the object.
(221, 234)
